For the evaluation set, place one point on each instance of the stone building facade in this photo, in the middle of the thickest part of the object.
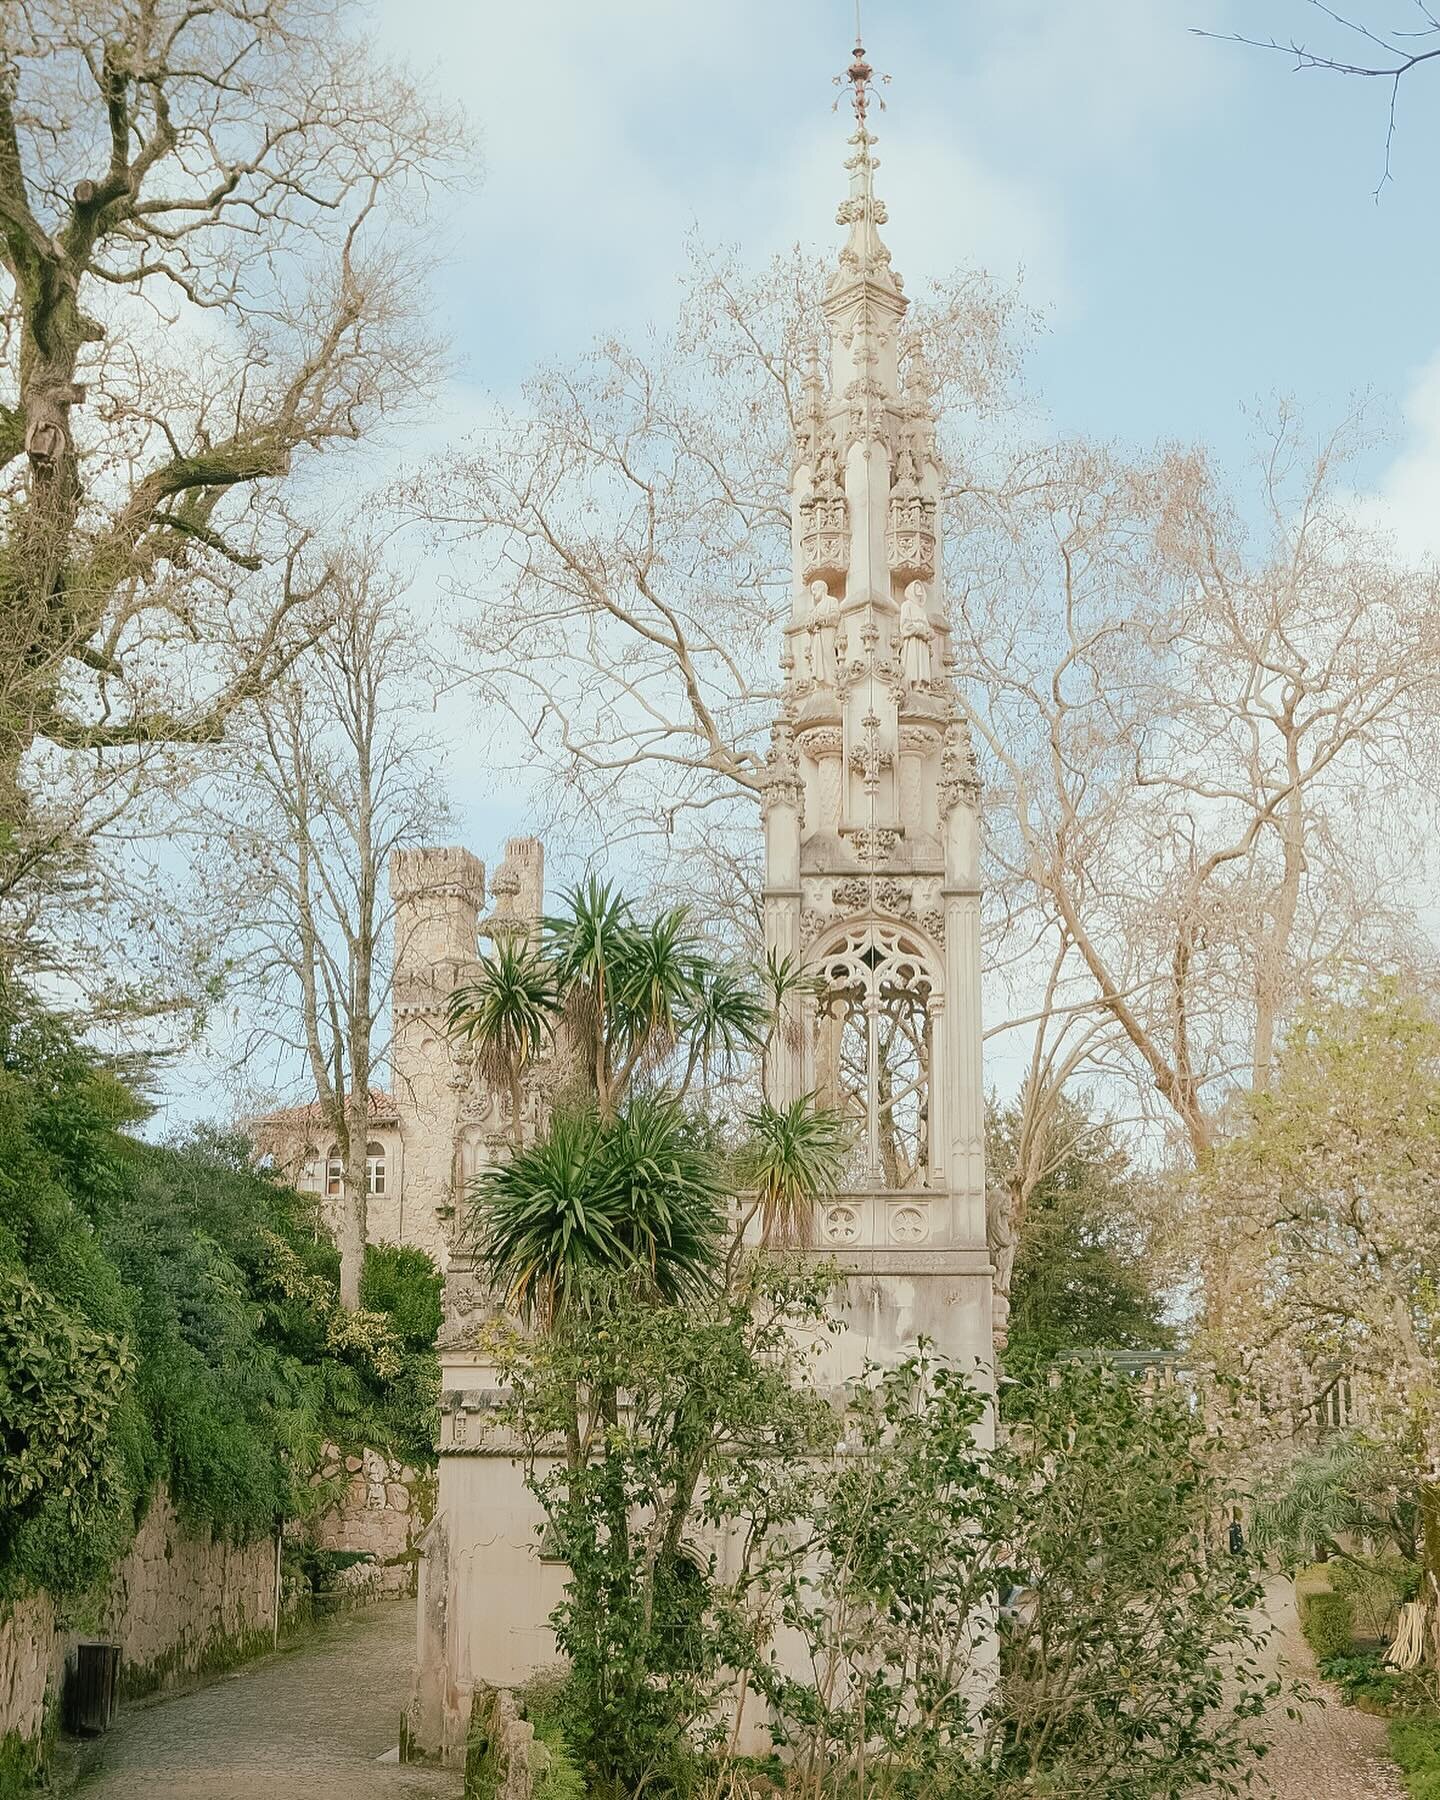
(871, 812)
(438, 1123)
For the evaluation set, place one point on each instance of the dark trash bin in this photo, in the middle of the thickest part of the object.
(92, 1688)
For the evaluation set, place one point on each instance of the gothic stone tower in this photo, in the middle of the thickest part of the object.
(872, 819)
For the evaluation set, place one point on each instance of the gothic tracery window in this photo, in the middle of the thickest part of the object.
(874, 1030)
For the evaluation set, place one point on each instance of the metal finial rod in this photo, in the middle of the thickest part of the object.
(861, 75)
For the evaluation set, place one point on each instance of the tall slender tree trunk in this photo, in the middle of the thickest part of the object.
(352, 1224)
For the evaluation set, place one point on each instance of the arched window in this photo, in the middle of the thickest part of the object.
(374, 1170)
(874, 1031)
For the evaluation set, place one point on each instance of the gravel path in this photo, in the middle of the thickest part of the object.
(1331, 1752)
(307, 1724)
(310, 1723)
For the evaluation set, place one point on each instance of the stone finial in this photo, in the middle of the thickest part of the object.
(518, 887)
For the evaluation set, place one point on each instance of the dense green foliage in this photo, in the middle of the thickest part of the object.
(1328, 1621)
(879, 1536)
(171, 1315)
(672, 1416)
(641, 1191)
(1415, 1745)
(1083, 1277)
(1366, 1681)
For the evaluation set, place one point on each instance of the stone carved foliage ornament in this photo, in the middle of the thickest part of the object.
(875, 843)
(959, 771)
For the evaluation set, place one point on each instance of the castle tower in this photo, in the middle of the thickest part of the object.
(437, 895)
(872, 820)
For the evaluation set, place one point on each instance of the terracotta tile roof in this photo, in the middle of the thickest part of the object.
(300, 1118)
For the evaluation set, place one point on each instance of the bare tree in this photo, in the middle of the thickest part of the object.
(1204, 746)
(196, 302)
(332, 774)
(1212, 756)
(630, 533)
(1385, 54)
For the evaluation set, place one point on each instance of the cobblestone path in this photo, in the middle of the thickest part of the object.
(307, 1724)
(1331, 1752)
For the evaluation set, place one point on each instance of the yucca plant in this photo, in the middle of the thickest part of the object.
(721, 1020)
(508, 1013)
(782, 980)
(638, 1195)
(792, 1160)
(587, 944)
(657, 976)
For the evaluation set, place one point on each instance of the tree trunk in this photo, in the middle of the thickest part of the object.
(1430, 1555)
(351, 1234)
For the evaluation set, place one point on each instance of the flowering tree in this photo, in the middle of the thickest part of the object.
(1319, 1247)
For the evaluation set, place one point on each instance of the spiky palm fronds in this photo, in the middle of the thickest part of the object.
(792, 1160)
(658, 974)
(783, 979)
(508, 1013)
(724, 1018)
(586, 944)
(638, 1195)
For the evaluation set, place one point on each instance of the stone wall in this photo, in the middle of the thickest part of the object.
(382, 1510)
(28, 1653)
(177, 1603)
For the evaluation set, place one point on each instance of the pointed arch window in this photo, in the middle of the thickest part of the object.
(874, 1051)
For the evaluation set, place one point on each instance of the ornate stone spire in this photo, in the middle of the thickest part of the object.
(864, 256)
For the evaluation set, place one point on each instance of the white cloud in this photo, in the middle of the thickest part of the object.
(1406, 501)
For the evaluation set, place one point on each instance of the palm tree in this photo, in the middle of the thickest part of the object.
(793, 1158)
(508, 1013)
(587, 945)
(658, 978)
(784, 979)
(640, 1195)
(724, 1018)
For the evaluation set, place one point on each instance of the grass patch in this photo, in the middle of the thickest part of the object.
(1415, 1745)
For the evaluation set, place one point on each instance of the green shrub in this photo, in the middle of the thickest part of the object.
(402, 1282)
(1377, 1585)
(1328, 1622)
(559, 1776)
(545, 1700)
(1415, 1745)
(171, 1314)
(1366, 1682)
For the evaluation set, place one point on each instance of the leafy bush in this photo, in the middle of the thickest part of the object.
(877, 1537)
(60, 1384)
(1377, 1585)
(1415, 1745)
(170, 1313)
(402, 1282)
(1328, 1622)
(1365, 1680)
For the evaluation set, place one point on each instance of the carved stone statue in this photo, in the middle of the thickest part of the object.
(916, 636)
(824, 621)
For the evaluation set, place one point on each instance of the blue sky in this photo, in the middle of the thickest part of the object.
(1197, 222)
